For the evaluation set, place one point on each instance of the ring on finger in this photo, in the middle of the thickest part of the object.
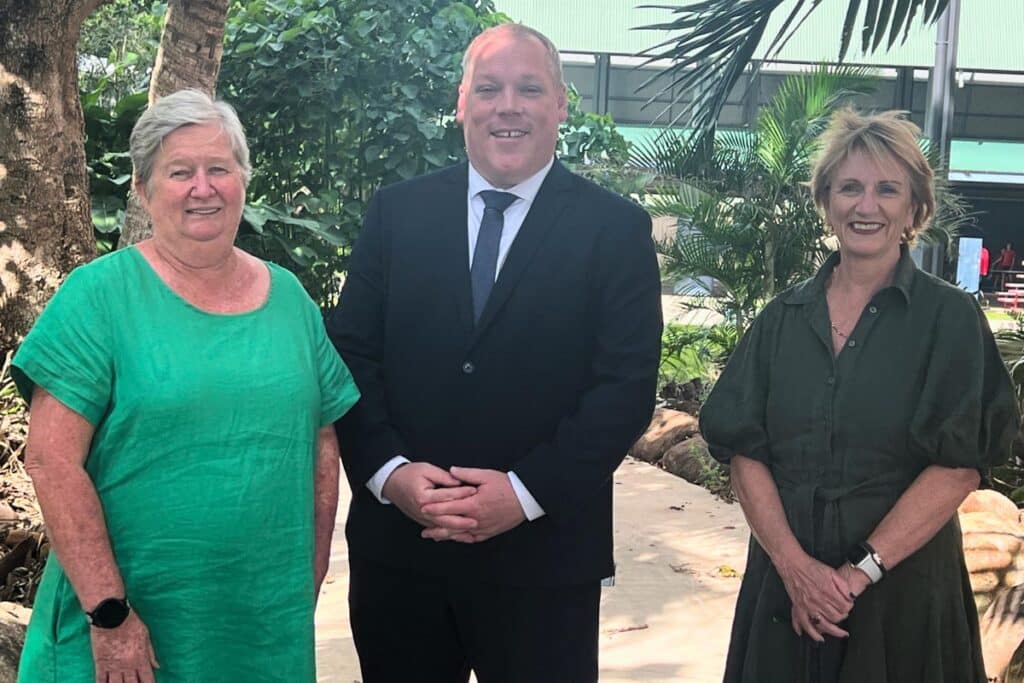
(815, 619)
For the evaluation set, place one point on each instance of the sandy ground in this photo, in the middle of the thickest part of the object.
(680, 554)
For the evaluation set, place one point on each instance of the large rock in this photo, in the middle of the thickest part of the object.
(993, 539)
(991, 501)
(689, 459)
(668, 428)
(13, 619)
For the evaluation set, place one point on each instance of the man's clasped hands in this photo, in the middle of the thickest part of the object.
(463, 504)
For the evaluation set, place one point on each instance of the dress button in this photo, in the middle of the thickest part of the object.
(830, 381)
(852, 343)
(468, 368)
(873, 309)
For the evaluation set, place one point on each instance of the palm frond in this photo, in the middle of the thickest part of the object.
(799, 112)
(715, 40)
(676, 198)
(667, 154)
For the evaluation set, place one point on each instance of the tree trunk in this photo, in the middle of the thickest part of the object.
(191, 46)
(45, 224)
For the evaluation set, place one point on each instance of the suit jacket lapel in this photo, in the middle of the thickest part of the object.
(547, 207)
(450, 221)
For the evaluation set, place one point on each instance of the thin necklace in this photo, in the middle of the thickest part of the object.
(829, 284)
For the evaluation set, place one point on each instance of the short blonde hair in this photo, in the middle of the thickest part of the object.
(522, 32)
(885, 136)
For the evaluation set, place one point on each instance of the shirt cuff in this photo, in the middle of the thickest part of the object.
(531, 508)
(377, 481)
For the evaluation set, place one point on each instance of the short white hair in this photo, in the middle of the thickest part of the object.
(174, 111)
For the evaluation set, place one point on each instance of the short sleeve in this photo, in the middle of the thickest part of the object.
(338, 391)
(68, 352)
(732, 420)
(967, 415)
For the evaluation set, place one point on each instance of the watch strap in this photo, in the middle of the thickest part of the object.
(870, 563)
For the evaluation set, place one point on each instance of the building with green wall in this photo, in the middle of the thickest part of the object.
(601, 42)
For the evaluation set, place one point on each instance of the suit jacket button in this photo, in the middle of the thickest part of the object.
(468, 368)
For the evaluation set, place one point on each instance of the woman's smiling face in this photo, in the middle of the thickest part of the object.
(870, 203)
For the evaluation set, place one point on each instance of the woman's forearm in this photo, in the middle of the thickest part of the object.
(325, 493)
(58, 443)
(923, 509)
(759, 497)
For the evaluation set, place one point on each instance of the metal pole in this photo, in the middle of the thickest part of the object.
(938, 123)
(938, 120)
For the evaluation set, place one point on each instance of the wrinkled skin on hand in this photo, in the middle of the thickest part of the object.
(820, 596)
(124, 654)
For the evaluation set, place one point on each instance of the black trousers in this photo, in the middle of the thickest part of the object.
(411, 628)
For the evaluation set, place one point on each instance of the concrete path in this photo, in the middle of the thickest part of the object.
(680, 553)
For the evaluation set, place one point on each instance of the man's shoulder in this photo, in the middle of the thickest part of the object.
(455, 175)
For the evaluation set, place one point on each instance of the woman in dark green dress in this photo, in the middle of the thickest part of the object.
(856, 414)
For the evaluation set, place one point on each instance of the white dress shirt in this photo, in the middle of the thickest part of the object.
(515, 214)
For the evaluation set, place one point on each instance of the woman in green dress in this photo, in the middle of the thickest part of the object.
(181, 443)
(856, 414)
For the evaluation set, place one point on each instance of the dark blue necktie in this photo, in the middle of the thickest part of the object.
(485, 256)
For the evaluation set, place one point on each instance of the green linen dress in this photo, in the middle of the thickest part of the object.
(203, 458)
(919, 382)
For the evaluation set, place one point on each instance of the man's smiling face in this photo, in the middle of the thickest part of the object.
(510, 106)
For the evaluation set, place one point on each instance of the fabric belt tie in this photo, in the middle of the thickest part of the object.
(485, 255)
(804, 496)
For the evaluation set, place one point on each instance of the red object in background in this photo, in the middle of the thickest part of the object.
(984, 262)
(1007, 258)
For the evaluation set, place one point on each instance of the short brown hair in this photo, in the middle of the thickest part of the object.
(521, 31)
(887, 135)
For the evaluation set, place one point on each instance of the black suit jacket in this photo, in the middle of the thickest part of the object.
(555, 382)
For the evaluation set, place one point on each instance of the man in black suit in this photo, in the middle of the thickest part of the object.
(502, 320)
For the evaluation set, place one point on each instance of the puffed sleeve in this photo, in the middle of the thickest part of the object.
(732, 420)
(68, 352)
(338, 391)
(967, 414)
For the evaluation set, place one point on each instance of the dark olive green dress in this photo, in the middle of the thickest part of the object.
(920, 382)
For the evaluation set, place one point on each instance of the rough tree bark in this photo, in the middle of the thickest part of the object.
(45, 226)
(191, 46)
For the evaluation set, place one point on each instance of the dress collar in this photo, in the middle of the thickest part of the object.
(814, 288)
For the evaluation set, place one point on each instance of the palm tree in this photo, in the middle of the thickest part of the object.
(747, 225)
(715, 39)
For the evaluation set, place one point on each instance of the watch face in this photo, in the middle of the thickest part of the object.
(110, 613)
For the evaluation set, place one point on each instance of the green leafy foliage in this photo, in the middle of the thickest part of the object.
(747, 227)
(337, 99)
(587, 138)
(106, 151)
(116, 52)
(694, 351)
(591, 146)
(1008, 478)
(117, 48)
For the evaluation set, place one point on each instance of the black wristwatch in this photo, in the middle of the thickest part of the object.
(863, 557)
(110, 613)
